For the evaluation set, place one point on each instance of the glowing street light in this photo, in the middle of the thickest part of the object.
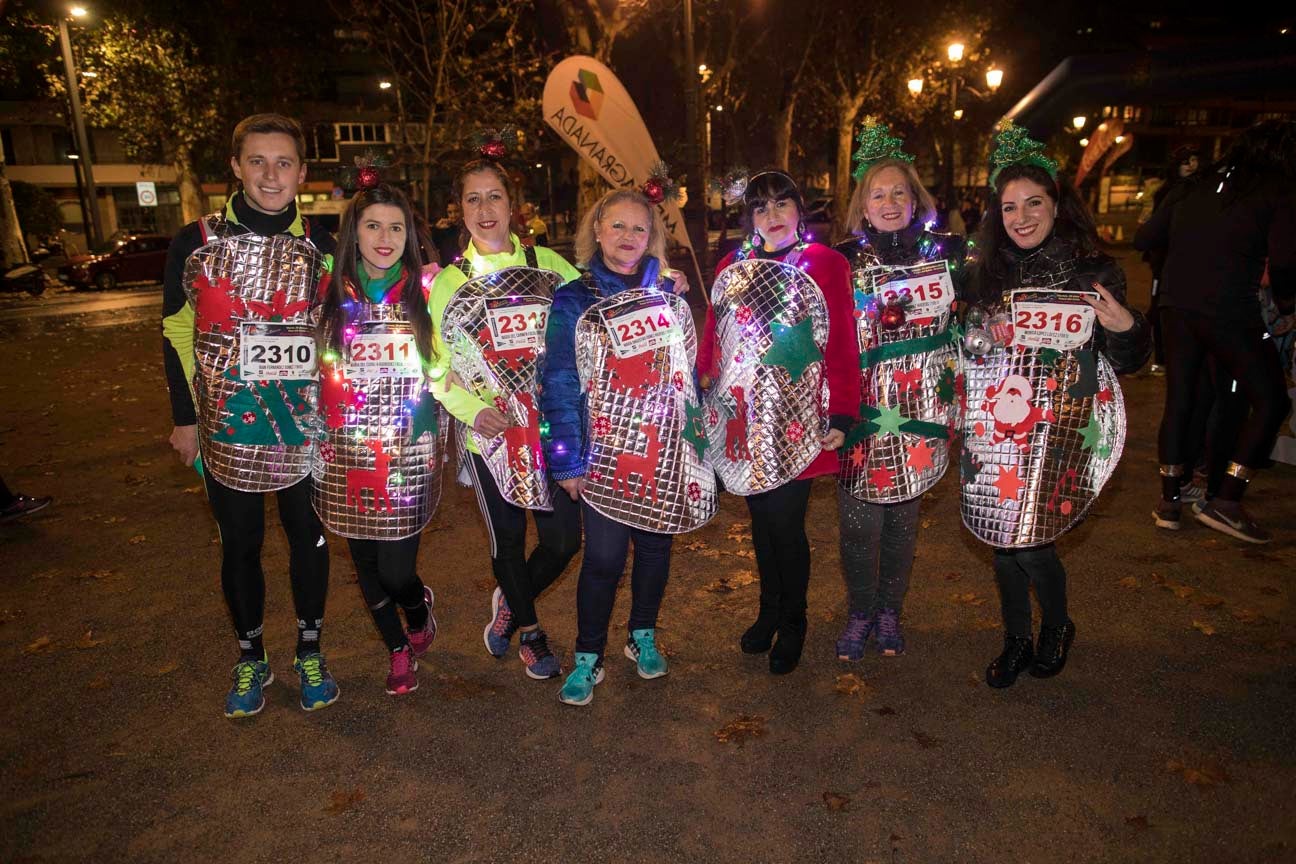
(915, 86)
(77, 11)
(1120, 139)
(384, 85)
(958, 113)
(1084, 142)
(994, 77)
(955, 51)
(1079, 121)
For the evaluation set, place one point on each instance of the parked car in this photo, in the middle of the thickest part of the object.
(129, 258)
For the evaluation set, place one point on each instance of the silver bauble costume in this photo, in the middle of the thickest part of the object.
(765, 423)
(1042, 433)
(377, 471)
(255, 434)
(500, 364)
(644, 424)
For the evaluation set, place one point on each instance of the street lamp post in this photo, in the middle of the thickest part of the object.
(994, 78)
(695, 206)
(78, 127)
(553, 214)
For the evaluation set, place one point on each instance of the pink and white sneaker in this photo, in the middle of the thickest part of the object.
(421, 640)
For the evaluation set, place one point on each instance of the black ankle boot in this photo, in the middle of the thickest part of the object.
(759, 636)
(1051, 652)
(786, 653)
(1016, 657)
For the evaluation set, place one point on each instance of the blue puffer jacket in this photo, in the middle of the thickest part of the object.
(562, 402)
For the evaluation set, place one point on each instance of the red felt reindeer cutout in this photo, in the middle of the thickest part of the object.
(645, 466)
(736, 429)
(375, 480)
(523, 442)
(635, 375)
(513, 358)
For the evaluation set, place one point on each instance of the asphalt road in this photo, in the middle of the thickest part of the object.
(1169, 737)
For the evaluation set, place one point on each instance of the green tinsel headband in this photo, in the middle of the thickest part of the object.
(1013, 146)
(875, 144)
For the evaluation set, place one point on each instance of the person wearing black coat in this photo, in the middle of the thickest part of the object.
(1219, 234)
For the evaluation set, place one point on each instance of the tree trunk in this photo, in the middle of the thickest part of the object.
(848, 106)
(191, 198)
(783, 132)
(15, 249)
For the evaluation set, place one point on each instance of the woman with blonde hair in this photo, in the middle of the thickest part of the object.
(622, 244)
(906, 279)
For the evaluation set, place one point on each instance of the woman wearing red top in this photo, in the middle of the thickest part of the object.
(772, 213)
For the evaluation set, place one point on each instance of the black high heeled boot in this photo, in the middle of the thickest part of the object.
(760, 635)
(786, 653)
(1051, 651)
(1016, 658)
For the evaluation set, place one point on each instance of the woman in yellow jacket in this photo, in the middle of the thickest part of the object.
(486, 194)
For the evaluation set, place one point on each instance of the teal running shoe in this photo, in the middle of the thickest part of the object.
(641, 647)
(318, 689)
(579, 687)
(245, 697)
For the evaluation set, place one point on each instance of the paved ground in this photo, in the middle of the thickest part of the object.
(1168, 738)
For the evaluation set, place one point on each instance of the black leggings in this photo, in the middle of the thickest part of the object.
(782, 548)
(523, 579)
(241, 518)
(606, 544)
(1016, 570)
(1243, 355)
(387, 570)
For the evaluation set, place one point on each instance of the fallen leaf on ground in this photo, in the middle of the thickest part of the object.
(96, 574)
(884, 711)
(895, 838)
(193, 490)
(974, 680)
(982, 624)
(701, 548)
(45, 574)
(1270, 590)
(850, 684)
(1206, 629)
(43, 645)
(1183, 592)
(1158, 579)
(1207, 775)
(835, 801)
(484, 584)
(926, 523)
(87, 640)
(343, 800)
(1138, 823)
(1210, 601)
(1248, 616)
(137, 539)
(741, 729)
(730, 583)
(926, 742)
(167, 669)
(113, 520)
(1129, 582)
(1210, 543)
(953, 577)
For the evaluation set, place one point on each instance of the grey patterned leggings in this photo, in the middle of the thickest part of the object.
(877, 550)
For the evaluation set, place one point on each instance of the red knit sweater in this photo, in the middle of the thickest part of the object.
(831, 273)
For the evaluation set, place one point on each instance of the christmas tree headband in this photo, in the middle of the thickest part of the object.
(1013, 146)
(731, 186)
(875, 144)
(367, 172)
(494, 144)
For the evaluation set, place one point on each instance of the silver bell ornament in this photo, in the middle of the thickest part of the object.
(977, 341)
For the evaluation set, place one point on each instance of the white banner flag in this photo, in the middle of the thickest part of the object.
(590, 109)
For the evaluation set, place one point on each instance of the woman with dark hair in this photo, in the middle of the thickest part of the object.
(1219, 233)
(486, 193)
(375, 298)
(1044, 425)
(773, 213)
(906, 278)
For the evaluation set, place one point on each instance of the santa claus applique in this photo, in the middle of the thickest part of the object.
(1014, 415)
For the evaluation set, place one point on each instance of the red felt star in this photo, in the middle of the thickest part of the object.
(857, 456)
(1009, 484)
(920, 456)
(1105, 395)
(881, 478)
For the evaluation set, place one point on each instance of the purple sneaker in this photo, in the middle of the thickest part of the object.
(421, 640)
(534, 652)
(499, 632)
(890, 639)
(850, 645)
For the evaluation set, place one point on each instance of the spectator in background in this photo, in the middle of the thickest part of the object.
(447, 233)
(1182, 169)
(535, 225)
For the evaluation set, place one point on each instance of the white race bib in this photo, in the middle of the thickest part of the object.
(1060, 320)
(514, 326)
(640, 324)
(928, 285)
(383, 355)
(276, 351)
